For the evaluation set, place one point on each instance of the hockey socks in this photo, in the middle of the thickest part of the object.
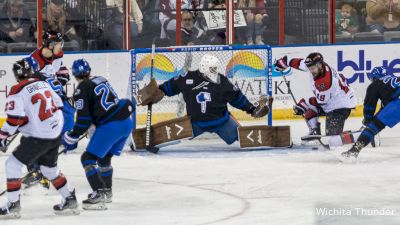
(106, 170)
(367, 135)
(93, 174)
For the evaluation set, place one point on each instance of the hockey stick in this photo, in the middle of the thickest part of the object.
(326, 146)
(148, 145)
(11, 139)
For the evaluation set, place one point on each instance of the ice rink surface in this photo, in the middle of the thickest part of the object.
(206, 182)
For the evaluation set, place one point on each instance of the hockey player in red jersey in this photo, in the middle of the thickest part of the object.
(33, 109)
(333, 97)
(49, 56)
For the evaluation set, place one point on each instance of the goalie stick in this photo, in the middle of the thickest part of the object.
(149, 147)
(326, 146)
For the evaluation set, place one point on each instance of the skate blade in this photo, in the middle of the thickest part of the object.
(108, 200)
(99, 206)
(68, 212)
(10, 216)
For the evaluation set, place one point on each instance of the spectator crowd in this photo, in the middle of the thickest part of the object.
(99, 24)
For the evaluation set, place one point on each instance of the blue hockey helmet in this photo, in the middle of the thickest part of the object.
(81, 68)
(378, 72)
(32, 63)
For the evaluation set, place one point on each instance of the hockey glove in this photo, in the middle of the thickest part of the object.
(69, 142)
(3, 141)
(281, 64)
(150, 94)
(300, 108)
(262, 106)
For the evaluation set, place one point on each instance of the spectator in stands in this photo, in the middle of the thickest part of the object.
(115, 27)
(55, 17)
(346, 20)
(383, 15)
(16, 25)
(190, 34)
(136, 19)
(255, 17)
(168, 16)
(217, 4)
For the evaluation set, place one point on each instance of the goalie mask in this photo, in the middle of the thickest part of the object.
(209, 67)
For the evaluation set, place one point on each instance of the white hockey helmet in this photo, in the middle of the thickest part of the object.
(209, 67)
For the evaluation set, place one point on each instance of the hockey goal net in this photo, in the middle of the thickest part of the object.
(248, 67)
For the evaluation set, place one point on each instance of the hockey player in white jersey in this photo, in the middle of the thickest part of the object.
(333, 97)
(33, 109)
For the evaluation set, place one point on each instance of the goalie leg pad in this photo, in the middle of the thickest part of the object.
(264, 136)
(168, 131)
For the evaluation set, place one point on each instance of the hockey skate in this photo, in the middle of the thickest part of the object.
(354, 151)
(11, 210)
(95, 201)
(314, 134)
(68, 206)
(108, 195)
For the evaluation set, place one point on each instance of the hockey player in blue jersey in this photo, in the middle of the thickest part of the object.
(97, 103)
(386, 88)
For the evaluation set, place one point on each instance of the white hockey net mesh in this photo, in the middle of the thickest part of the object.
(248, 68)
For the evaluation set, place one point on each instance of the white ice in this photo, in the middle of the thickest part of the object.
(207, 182)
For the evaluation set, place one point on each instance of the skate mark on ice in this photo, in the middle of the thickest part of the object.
(245, 205)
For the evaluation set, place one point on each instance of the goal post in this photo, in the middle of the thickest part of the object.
(248, 67)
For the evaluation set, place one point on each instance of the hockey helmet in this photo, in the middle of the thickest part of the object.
(63, 75)
(22, 70)
(81, 68)
(51, 37)
(378, 72)
(209, 67)
(32, 63)
(314, 58)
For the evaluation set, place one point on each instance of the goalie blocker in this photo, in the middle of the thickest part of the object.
(181, 128)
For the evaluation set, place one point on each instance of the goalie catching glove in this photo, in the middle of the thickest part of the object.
(150, 94)
(262, 106)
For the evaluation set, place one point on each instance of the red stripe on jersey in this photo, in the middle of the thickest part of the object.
(295, 63)
(324, 82)
(18, 87)
(17, 121)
